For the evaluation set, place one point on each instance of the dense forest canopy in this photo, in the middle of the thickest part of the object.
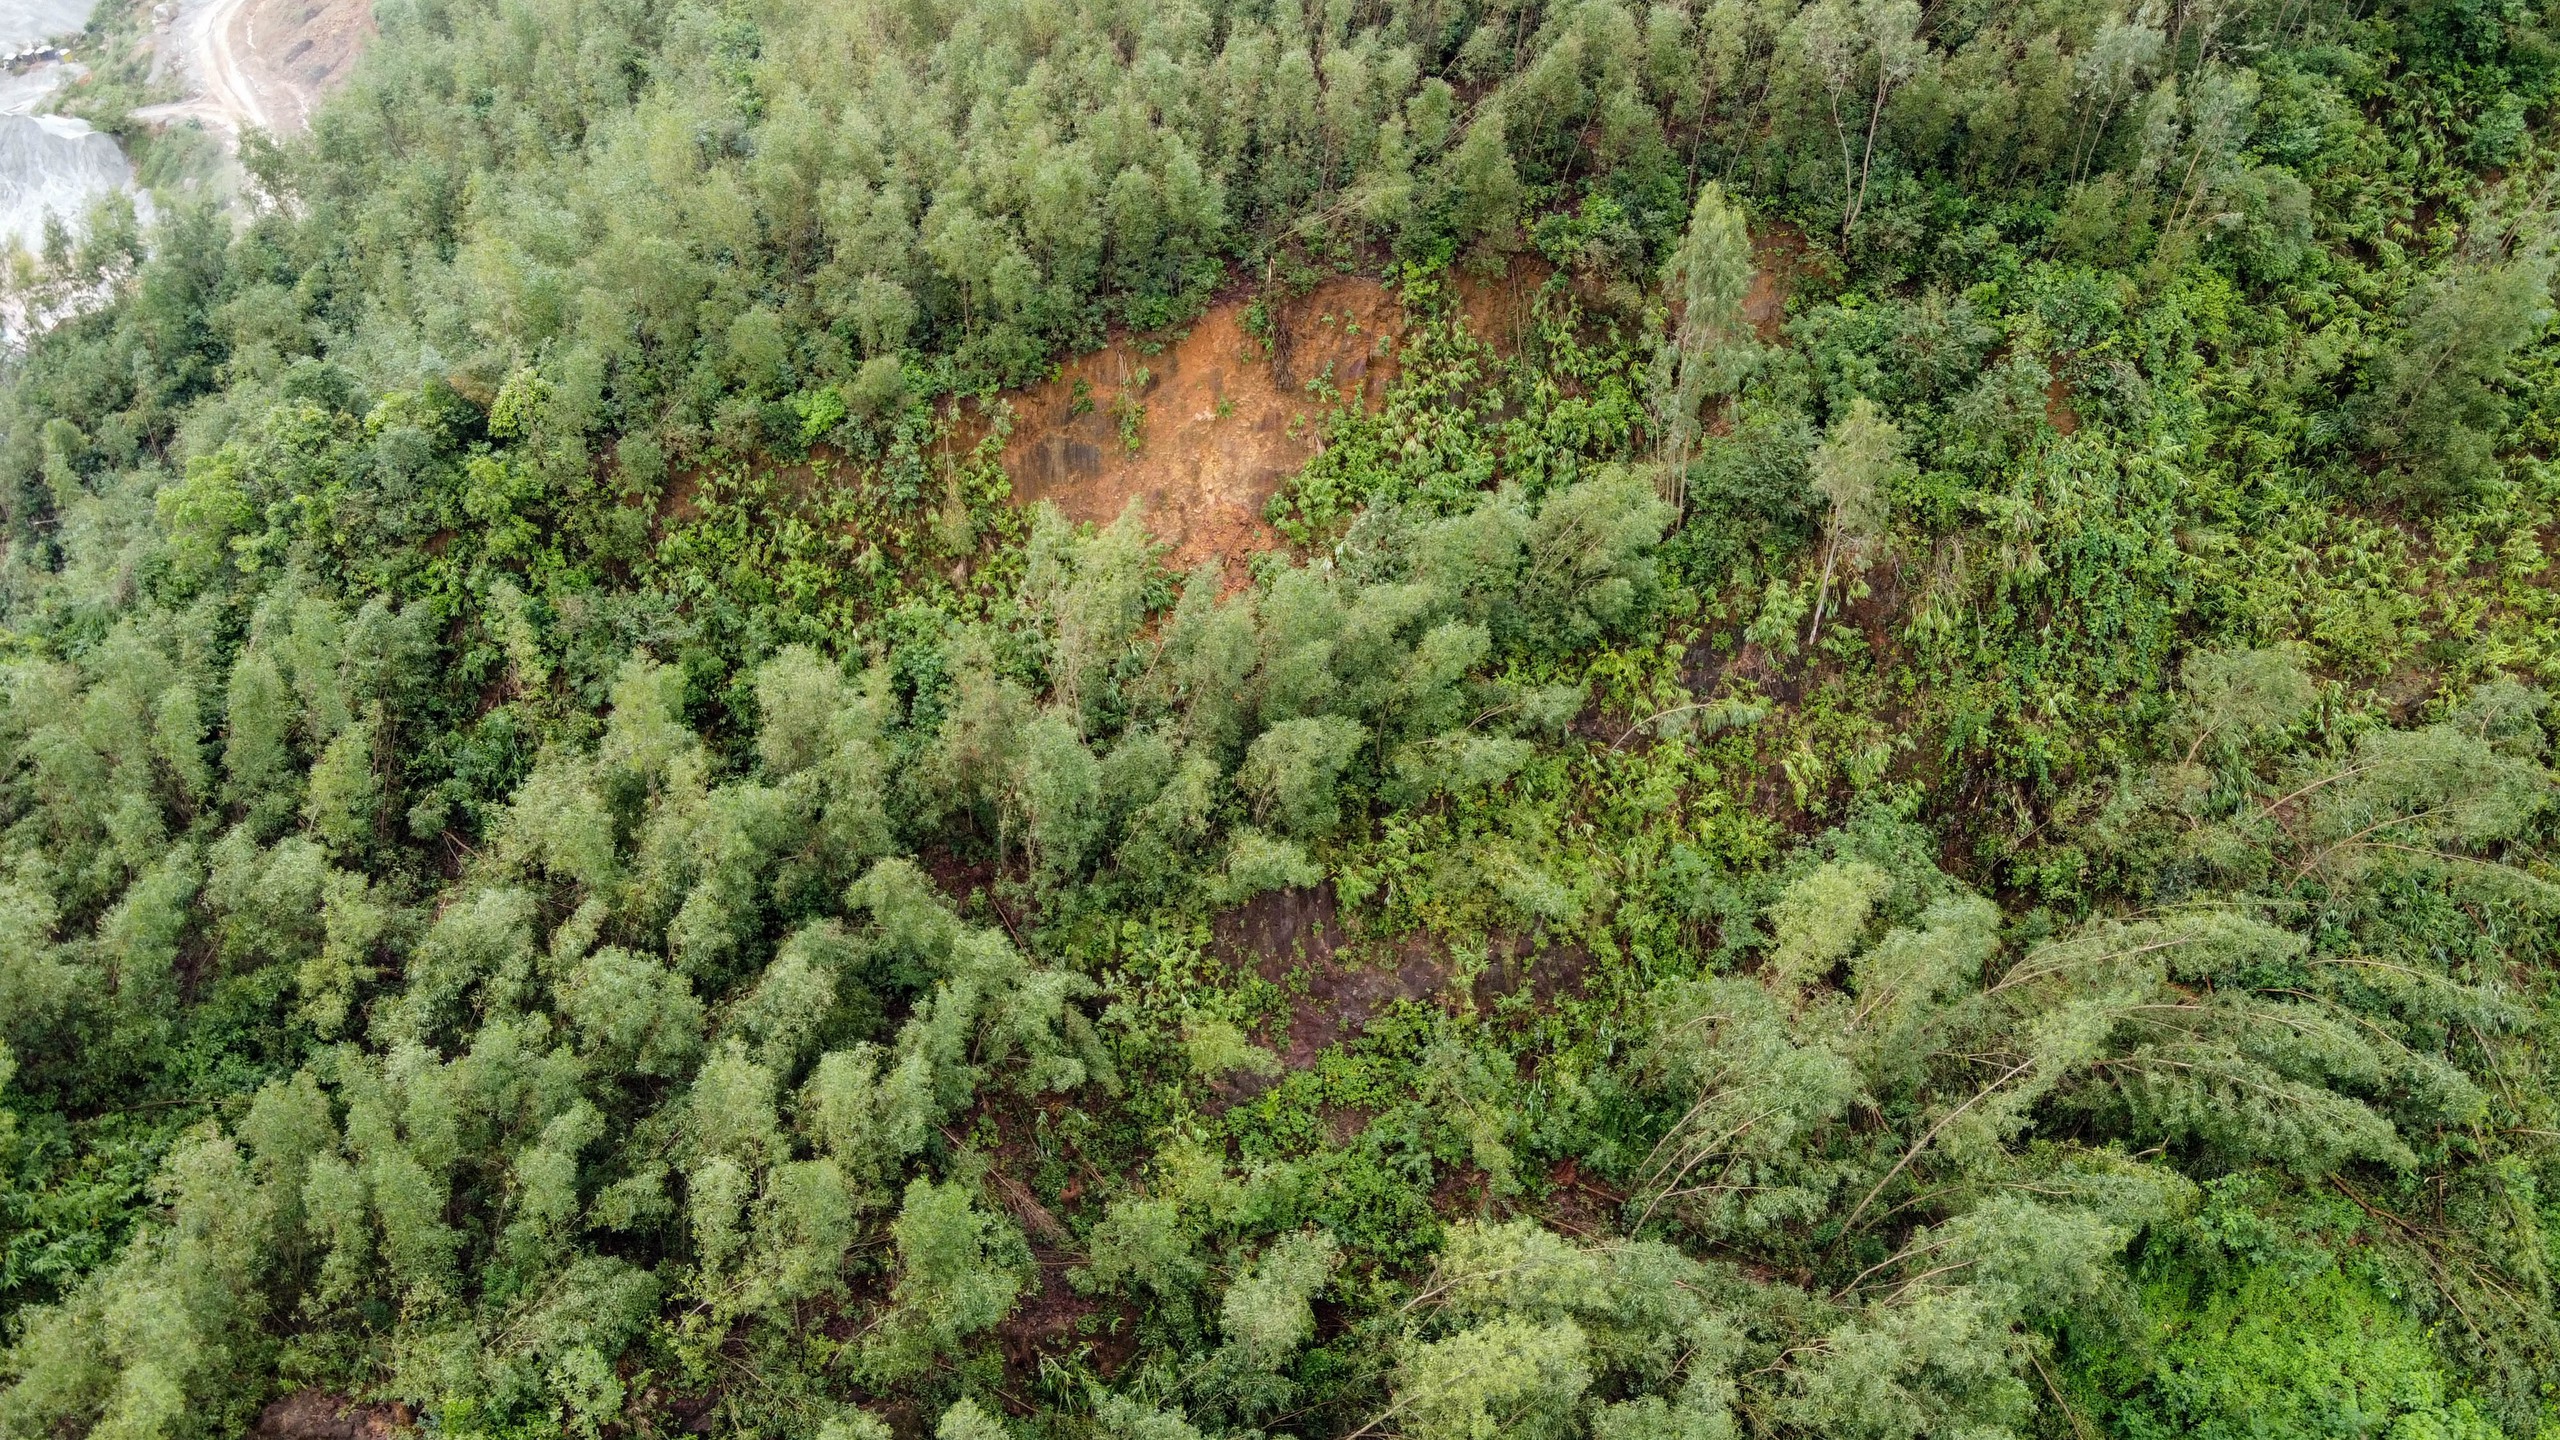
(1924, 808)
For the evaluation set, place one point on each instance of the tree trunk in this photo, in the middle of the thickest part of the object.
(1830, 553)
(1867, 162)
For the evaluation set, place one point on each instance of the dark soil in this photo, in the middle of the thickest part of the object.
(320, 1415)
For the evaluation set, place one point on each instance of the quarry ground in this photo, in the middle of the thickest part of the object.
(259, 64)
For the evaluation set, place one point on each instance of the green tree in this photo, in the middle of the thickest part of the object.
(1292, 770)
(1711, 345)
(2432, 411)
(1854, 469)
(959, 1272)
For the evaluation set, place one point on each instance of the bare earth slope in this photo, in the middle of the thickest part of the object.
(261, 64)
(1225, 418)
(1226, 415)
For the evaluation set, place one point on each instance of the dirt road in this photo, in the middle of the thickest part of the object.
(260, 64)
(219, 66)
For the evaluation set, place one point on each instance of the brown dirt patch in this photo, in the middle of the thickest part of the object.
(1518, 963)
(1055, 1320)
(1226, 418)
(1340, 1002)
(2057, 406)
(1577, 1205)
(969, 884)
(295, 51)
(1465, 1192)
(1503, 309)
(1229, 415)
(320, 1415)
(1294, 938)
(1282, 929)
(1777, 254)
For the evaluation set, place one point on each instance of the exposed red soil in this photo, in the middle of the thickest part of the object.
(1294, 938)
(1577, 1205)
(1465, 1192)
(1056, 1320)
(1222, 416)
(1053, 1318)
(1777, 253)
(1501, 309)
(257, 64)
(970, 886)
(1228, 415)
(1282, 928)
(1344, 1123)
(2057, 406)
(298, 50)
(1514, 963)
(1341, 1001)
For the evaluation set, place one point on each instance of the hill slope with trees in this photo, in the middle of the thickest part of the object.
(1974, 857)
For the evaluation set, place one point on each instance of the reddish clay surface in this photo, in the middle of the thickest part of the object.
(1228, 416)
(1775, 255)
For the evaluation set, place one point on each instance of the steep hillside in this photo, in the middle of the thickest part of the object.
(1026, 721)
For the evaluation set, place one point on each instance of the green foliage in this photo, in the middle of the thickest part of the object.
(1917, 802)
(1265, 1314)
(2433, 411)
(1290, 771)
(2293, 1358)
(957, 1276)
(2248, 1327)
(1712, 347)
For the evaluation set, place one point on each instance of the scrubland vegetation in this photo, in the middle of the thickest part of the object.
(1972, 856)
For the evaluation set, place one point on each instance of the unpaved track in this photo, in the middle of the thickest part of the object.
(260, 64)
(215, 60)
